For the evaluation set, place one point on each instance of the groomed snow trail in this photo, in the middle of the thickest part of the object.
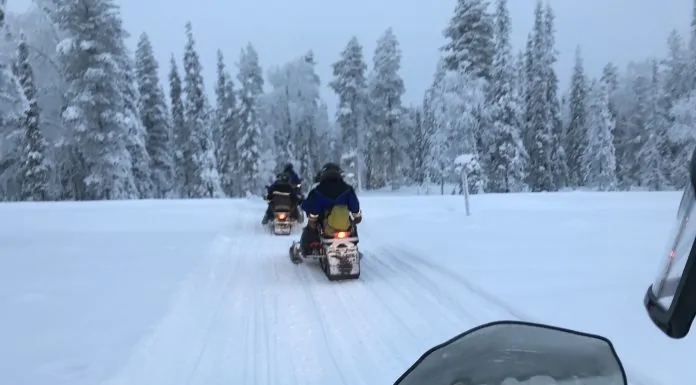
(247, 315)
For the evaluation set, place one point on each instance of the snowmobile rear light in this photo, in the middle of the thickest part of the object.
(341, 234)
(282, 216)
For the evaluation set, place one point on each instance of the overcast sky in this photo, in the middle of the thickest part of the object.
(606, 30)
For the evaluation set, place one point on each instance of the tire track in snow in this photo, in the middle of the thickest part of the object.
(361, 339)
(172, 352)
(635, 376)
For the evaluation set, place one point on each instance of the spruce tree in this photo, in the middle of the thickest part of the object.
(576, 132)
(202, 166)
(35, 169)
(249, 143)
(155, 119)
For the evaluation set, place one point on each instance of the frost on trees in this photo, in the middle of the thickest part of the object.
(577, 130)
(228, 128)
(201, 166)
(35, 169)
(350, 84)
(13, 108)
(455, 100)
(469, 37)
(599, 158)
(386, 87)
(136, 141)
(94, 101)
(179, 129)
(504, 157)
(297, 115)
(155, 119)
(249, 143)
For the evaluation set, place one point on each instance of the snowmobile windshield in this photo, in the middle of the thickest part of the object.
(677, 251)
(518, 352)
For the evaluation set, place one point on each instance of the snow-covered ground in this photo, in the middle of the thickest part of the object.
(195, 292)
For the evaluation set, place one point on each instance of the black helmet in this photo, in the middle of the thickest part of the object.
(288, 167)
(331, 171)
(283, 177)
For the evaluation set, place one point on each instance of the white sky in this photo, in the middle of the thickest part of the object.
(607, 30)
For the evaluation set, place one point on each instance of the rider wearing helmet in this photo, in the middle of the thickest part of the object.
(332, 192)
(294, 178)
(281, 192)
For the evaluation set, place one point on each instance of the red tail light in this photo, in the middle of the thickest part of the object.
(341, 234)
(282, 216)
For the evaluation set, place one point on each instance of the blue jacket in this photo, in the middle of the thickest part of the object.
(294, 178)
(325, 196)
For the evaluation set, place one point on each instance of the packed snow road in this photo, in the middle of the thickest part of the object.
(182, 292)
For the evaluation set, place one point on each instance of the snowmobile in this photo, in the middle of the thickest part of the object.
(338, 255)
(498, 352)
(281, 224)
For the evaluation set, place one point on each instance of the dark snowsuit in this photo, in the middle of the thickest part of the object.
(331, 191)
(281, 194)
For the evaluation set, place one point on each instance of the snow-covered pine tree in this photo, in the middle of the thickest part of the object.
(249, 143)
(136, 141)
(386, 88)
(204, 179)
(598, 159)
(226, 115)
(95, 102)
(538, 135)
(676, 84)
(559, 168)
(155, 118)
(35, 172)
(13, 107)
(504, 155)
(437, 159)
(576, 133)
(179, 130)
(422, 144)
(469, 39)
(652, 166)
(350, 84)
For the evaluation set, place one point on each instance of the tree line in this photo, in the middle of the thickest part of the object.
(84, 118)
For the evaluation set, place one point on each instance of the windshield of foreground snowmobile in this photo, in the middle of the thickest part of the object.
(677, 251)
(501, 352)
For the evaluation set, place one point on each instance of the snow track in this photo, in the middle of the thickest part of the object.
(250, 316)
(198, 292)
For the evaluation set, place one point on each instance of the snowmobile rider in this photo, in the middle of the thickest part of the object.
(331, 198)
(281, 192)
(294, 178)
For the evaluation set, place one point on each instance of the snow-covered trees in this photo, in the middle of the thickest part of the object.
(95, 102)
(577, 129)
(350, 84)
(227, 128)
(35, 171)
(598, 157)
(155, 119)
(469, 37)
(249, 142)
(201, 165)
(385, 113)
(73, 83)
(505, 157)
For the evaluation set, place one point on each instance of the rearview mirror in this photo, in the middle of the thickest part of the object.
(498, 351)
(671, 299)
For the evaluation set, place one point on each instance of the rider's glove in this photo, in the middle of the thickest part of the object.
(312, 221)
(357, 217)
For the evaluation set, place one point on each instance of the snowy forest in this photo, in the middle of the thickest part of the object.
(85, 118)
